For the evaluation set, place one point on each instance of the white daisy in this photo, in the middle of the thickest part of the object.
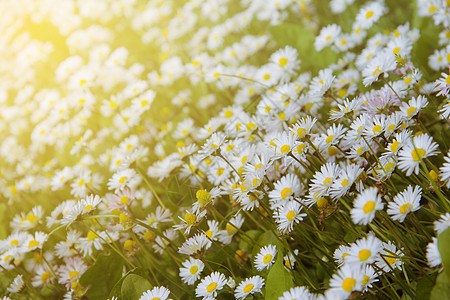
(266, 257)
(404, 203)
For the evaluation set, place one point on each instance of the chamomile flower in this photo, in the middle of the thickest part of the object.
(433, 255)
(287, 188)
(197, 243)
(225, 236)
(390, 258)
(209, 286)
(340, 254)
(347, 280)
(421, 146)
(413, 107)
(365, 251)
(380, 65)
(405, 202)
(445, 170)
(287, 215)
(190, 218)
(303, 127)
(297, 293)
(327, 36)
(286, 59)
(249, 286)
(191, 270)
(127, 178)
(158, 292)
(322, 181)
(442, 224)
(365, 206)
(265, 257)
(370, 14)
(17, 285)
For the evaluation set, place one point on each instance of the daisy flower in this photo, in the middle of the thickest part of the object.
(344, 182)
(225, 236)
(287, 216)
(286, 189)
(347, 280)
(191, 271)
(158, 292)
(381, 64)
(17, 285)
(369, 14)
(195, 244)
(266, 257)
(340, 254)
(413, 107)
(433, 255)
(322, 181)
(296, 293)
(445, 170)
(390, 258)
(327, 36)
(365, 251)
(422, 146)
(303, 127)
(286, 59)
(365, 206)
(249, 286)
(404, 203)
(191, 218)
(209, 286)
(443, 85)
(212, 145)
(127, 178)
(442, 224)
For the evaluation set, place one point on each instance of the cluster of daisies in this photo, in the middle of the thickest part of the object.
(185, 143)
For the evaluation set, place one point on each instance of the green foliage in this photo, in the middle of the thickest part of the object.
(133, 286)
(444, 250)
(441, 290)
(117, 289)
(101, 277)
(279, 279)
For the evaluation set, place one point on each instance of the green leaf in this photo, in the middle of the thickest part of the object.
(444, 250)
(133, 286)
(278, 280)
(117, 289)
(441, 291)
(102, 276)
(423, 288)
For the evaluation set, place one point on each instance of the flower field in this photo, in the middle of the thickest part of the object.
(224, 149)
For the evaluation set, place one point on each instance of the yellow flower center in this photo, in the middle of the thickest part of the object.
(302, 131)
(395, 145)
(266, 77)
(396, 50)
(290, 215)
(91, 236)
(327, 181)
(376, 129)
(73, 274)
(283, 61)
(14, 243)
(203, 197)
(190, 218)
(122, 179)
(364, 255)
(230, 229)
(390, 259)
(411, 110)
(369, 207)
(211, 287)
(286, 192)
(220, 171)
(45, 276)
(193, 270)
(248, 288)
(33, 243)
(369, 14)
(348, 284)
(345, 182)
(267, 258)
(329, 139)
(405, 208)
(124, 200)
(322, 202)
(417, 154)
(285, 148)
